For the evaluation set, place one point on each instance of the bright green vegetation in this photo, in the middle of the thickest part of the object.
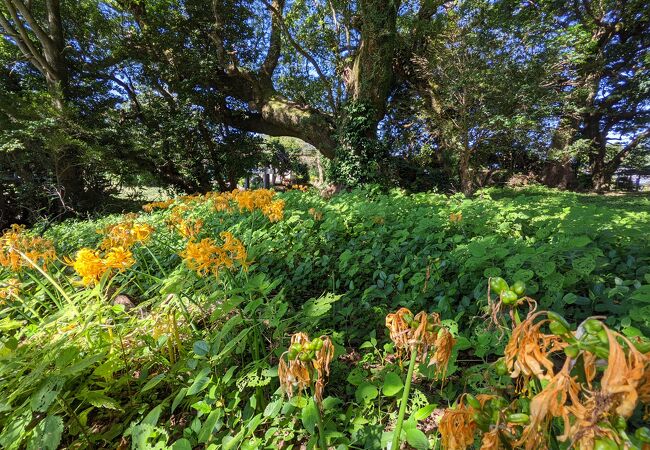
(195, 362)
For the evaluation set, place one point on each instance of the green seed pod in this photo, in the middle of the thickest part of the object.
(519, 287)
(602, 336)
(605, 444)
(509, 298)
(557, 328)
(408, 318)
(318, 343)
(297, 347)
(592, 326)
(472, 401)
(620, 423)
(643, 434)
(555, 316)
(498, 285)
(501, 367)
(571, 351)
(519, 418)
(643, 346)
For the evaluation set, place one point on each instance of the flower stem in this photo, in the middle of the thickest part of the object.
(405, 396)
(321, 431)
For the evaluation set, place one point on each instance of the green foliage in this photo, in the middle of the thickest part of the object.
(194, 361)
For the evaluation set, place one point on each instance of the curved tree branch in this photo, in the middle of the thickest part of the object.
(303, 52)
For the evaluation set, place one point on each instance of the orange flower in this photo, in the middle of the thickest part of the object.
(457, 427)
(528, 349)
(307, 366)
(118, 258)
(550, 402)
(16, 247)
(89, 265)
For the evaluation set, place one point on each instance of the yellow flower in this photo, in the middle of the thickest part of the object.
(118, 258)
(89, 265)
(149, 207)
(456, 217)
(204, 256)
(126, 234)
(207, 257)
(274, 210)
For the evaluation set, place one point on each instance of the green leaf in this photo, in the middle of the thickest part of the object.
(417, 439)
(153, 382)
(366, 392)
(8, 324)
(43, 398)
(200, 382)
(99, 400)
(182, 444)
(584, 265)
(392, 384)
(47, 434)
(201, 348)
(424, 412)
(309, 416)
(178, 399)
(273, 408)
(208, 426)
(642, 294)
(152, 417)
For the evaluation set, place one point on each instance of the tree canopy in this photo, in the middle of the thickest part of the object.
(184, 93)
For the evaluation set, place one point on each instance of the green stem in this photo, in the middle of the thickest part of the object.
(321, 431)
(405, 397)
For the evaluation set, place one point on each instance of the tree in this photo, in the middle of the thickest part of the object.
(247, 64)
(603, 79)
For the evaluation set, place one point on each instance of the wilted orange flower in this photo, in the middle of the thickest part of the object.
(490, 440)
(549, 403)
(421, 333)
(457, 427)
(444, 345)
(118, 258)
(16, 247)
(528, 349)
(308, 367)
(455, 217)
(622, 375)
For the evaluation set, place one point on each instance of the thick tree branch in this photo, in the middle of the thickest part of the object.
(11, 33)
(303, 52)
(41, 35)
(46, 69)
(275, 41)
(634, 143)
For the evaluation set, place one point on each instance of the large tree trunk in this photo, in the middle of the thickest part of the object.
(465, 172)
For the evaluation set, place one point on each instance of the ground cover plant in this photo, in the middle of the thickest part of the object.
(254, 319)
